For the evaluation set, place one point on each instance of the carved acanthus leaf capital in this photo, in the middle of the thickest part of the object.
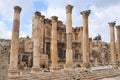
(85, 13)
(118, 26)
(54, 18)
(37, 13)
(42, 17)
(112, 24)
(17, 9)
(69, 8)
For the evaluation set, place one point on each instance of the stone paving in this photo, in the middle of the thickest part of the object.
(71, 75)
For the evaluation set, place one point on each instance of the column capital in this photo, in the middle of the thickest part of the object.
(112, 24)
(42, 17)
(47, 21)
(85, 13)
(69, 8)
(54, 18)
(118, 26)
(17, 9)
(37, 13)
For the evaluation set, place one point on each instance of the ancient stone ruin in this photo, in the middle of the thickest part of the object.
(58, 51)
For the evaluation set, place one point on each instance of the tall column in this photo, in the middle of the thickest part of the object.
(85, 15)
(112, 42)
(54, 53)
(69, 52)
(118, 42)
(13, 68)
(36, 45)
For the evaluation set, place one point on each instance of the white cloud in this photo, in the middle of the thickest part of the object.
(4, 31)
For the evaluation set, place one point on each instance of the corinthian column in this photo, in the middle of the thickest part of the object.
(13, 68)
(69, 54)
(118, 42)
(85, 41)
(54, 53)
(112, 42)
(36, 44)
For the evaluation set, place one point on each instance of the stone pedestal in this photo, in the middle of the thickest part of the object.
(85, 41)
(54, 53)
(13, 68)
(112, 43)
(69, 52)
(36, 43)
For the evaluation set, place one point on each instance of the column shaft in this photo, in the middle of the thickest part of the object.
(85, 41)
(112, 42)
(36, 44)
(13, 68)
(54, 53)
(69, 54)
(118, 41)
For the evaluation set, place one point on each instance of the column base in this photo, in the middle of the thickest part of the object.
(69, 66)
(54, 68)
(114, 65)
(35, 70)
(85, 66)
(12, 73)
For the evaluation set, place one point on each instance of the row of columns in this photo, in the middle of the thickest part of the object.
(39, 21)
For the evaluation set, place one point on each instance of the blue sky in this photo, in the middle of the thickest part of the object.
(102, 12)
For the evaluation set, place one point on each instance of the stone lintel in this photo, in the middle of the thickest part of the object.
(85, 13)
(112, 24)
(69, 8)
(37, 13)
(54, 18)
(118, 26)
(17, 9)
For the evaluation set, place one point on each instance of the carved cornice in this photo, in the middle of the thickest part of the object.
(17, 9)
(69, 8)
